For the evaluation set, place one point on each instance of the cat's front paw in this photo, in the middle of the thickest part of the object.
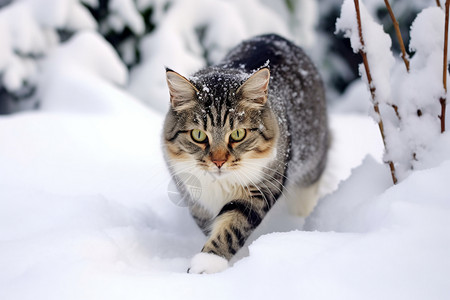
(207, 263)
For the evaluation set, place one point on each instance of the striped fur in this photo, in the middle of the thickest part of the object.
(286, 136)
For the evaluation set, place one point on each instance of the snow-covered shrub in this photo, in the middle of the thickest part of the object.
(147, 34)
(333, 53)
(407, 102)
(29, 30)
(194, 33)
(124, 22)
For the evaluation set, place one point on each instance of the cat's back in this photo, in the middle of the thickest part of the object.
(295, 84)
(283, 57)
(258, 51)
(296, 95)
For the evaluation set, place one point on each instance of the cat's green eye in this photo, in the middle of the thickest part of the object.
(199, 136)
(238, 135)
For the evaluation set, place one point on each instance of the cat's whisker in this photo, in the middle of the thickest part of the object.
(281, 190)
(256, 186)
(270, 191)
(247, 187)
(244, 185)
(265, 167)
(273, 196)
(282, 186)
(255, 167)
(184, 170)
(277, 188)
(241, 181)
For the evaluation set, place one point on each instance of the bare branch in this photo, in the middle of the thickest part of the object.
(438, 3)
(371, 85)
(443, 99)
(399, 35)
(405, 56)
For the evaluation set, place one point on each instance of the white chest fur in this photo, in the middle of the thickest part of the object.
(213, 191)
(217, 190)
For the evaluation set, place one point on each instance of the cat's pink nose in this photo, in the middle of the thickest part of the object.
(219, 163)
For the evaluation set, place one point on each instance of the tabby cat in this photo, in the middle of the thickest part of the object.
(247, 141)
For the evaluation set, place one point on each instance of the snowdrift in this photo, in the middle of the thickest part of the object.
(85, 214)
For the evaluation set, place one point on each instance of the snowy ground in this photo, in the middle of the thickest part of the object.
(85, 213)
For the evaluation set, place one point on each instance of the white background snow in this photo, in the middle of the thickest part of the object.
(85, 212)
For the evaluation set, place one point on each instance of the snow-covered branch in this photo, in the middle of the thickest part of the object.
(379, 87)
(405, 56)
(443, 99)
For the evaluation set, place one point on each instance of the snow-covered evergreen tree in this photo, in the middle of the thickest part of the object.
(29, 29)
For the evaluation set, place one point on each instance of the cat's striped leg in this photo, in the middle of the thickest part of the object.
(202, 217)
(230, 229)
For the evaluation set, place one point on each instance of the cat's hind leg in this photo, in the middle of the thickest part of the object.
(301, 200)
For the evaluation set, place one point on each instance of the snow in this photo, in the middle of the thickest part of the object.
(68, 14)
(85, 211)
(127, 14)
(356, 99)
(85, 214)
(81, 62)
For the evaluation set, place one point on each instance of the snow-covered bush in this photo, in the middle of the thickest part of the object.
(333, 53)
(192, 34)
(29, 30)
(147, 34)
(124, 22)
(406, 101)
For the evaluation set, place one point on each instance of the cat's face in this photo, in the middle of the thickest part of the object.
(218, 127)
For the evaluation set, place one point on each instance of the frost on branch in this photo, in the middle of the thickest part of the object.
(415, 129)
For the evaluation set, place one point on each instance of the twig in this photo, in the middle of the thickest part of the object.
(438, 3)
(371, 86)
(399, 35)
(443, 99)
(405, 56)
(395, 107)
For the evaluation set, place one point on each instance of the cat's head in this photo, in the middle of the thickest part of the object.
(220, 124)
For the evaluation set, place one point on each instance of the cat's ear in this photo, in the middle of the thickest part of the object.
(182, 91)
(254, 89)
